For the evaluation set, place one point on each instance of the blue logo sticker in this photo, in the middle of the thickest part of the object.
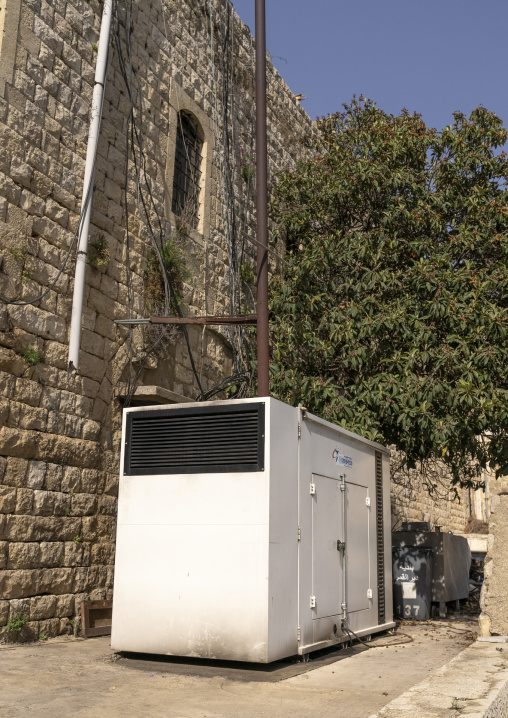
(342, 460)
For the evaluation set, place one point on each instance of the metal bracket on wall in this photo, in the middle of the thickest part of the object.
(246, 320)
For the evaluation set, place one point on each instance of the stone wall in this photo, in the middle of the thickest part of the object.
(464, 510)
(412, 501)
(59, 436)
(494, 598)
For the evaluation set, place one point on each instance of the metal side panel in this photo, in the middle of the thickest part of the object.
(283, 548)
(327, 560)
(196, 591)
(191, 566)
(357, 548)
(327, 451)
(387, 531)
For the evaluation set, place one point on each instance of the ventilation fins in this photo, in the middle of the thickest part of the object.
(380, 540)
(207, 439)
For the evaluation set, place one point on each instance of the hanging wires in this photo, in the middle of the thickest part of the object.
(147, 208)
(240, 381)
(238, 384)
(224, 132)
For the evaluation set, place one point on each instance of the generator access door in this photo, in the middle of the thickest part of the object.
(327, 556)
(357, 547)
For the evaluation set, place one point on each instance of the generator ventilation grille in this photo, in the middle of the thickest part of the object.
(205, 439)
(380, 540)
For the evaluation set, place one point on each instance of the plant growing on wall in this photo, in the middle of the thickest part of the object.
(33, 356)
(98, 252)
(392, 316)
(76, 627)
(174, 260)
(19, 253)
(247, 273)
(16, 623)
(247, 164)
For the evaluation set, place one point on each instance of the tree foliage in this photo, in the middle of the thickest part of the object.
(391, 318)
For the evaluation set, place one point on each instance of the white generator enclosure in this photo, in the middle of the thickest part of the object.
(248, 530)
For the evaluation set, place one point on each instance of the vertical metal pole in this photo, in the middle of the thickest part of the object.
(486, 490)
(343, 605)
(261, 204)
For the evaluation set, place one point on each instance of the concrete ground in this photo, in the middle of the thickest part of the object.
(474, 683)
(85, 678)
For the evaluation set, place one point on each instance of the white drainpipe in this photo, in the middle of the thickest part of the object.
(93, 136)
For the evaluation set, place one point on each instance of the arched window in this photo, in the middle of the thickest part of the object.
(187, 173)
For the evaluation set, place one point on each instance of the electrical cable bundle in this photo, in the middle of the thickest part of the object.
(150, 215)
(148, 208)
(235, 235)
(240, 381)
(351, 633)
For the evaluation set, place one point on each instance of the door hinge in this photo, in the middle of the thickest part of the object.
(313, 489)
(299, 430)
(367, 501)
(313, 602)
(369, 593)
(298, 633)
(299, 533)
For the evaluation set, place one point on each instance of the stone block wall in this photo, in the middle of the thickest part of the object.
(494, 598)
(59, 435)
(412, 501)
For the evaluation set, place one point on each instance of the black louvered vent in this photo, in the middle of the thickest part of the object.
(196, 440)
(380, 539)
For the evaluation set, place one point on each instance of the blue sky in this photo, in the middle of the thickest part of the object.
(431, 56)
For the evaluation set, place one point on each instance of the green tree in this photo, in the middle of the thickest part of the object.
(391, 318)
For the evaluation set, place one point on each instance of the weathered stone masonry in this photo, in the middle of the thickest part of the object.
(59, 437)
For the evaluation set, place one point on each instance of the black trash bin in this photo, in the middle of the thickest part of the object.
(412, 582)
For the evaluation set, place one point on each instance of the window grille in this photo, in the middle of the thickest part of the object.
(187, 172)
